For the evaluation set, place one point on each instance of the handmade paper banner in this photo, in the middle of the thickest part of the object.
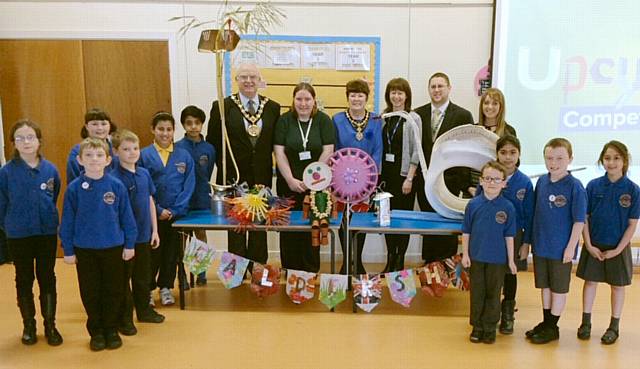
(434, 279)
(402, 286)
(301, 286)
(458, 275)
(198, 256)
(367, 291)
(265, 280)
(333, 289)
(231, 269)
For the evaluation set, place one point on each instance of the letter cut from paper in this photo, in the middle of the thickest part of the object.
(367, 291)
(231, 269)
(333, 289)
(301, 286)
(265, 280)
(458, 275)
(198, 256)
(402, 286)
(434, 279)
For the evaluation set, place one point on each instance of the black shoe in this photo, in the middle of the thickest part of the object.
(476, 335)
(151, 316)
(128, 329)
(609, 337)
(201, 281)
(29, 333)
(97, 343)
(489, 337)
(584, 331)
(53, 336)
(531, 332)
(546, 335)
(113, 340)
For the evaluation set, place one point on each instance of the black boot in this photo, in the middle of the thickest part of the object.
(507, 318)
(48, 307)
(28, 312)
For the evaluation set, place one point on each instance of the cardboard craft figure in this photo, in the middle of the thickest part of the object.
(319, 206)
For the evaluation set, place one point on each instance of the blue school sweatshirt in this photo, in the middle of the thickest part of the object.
(204, 159)
(74, 169)
(140, 189)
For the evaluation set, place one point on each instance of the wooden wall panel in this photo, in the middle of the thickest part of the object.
(130, 80)
(43, 81)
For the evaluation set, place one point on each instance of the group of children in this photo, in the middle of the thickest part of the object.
(120, 203)
(507, 216)
(116, 220)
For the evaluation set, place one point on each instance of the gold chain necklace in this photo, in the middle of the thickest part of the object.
(359, 126)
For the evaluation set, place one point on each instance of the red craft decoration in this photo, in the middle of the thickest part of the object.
(263, 284)
(434, 279)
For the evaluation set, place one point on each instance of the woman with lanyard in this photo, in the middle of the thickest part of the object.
(399, 164)
(357, 127)
(491, 117)
(302, 135)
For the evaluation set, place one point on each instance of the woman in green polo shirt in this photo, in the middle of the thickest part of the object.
(302, 135)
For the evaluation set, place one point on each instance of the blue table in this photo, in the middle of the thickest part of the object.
(204, 219)
(402, 222)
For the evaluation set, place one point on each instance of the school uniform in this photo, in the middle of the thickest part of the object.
(29, 217)
(558, 205)
(488, 222)
(74, 169)
(97, 222)
(140, 188)
(371, 143)
(175, 183)
(610, 207)
(204, 158)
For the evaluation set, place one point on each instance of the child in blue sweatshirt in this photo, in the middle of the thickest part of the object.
(172, 172)
(204, 158)
(29, 188)
(140, 187)
(98, 232)
(97, 124)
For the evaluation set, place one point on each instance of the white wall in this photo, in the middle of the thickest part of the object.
(418, 38)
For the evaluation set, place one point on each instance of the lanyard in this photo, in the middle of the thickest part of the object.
(391, 135)
(305, 136)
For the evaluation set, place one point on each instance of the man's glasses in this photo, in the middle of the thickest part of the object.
(245, 78)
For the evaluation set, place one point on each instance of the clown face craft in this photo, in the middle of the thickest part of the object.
(318, 206)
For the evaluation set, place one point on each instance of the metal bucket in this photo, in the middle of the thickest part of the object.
(219, 194)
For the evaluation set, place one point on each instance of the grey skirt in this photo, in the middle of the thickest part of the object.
(617, 271)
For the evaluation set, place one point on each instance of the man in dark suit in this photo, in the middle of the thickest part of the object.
(250, 121)
(438, 117)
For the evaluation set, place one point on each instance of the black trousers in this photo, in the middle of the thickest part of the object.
(101, 280)
(34, 257)
(252, 247)
(137, 281)
(164, 259)
(436, 247)
(4, 249)
(398, 243)
(296, 251)
(486, 282)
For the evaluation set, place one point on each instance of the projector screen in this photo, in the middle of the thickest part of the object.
(570, 69)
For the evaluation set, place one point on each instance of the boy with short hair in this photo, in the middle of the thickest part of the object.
(487, 240)
(559, 216)
(204, 157)
(97, 222)
(141, 189)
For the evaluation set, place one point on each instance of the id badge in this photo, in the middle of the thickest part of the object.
(390, 158)
(305, 155)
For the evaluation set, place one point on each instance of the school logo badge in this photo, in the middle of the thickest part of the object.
(520, 194)
(625, 200)
(109, 198)
(560, 201)
(203, 161)
(181, 167)
(501, 217)
(50, 184)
